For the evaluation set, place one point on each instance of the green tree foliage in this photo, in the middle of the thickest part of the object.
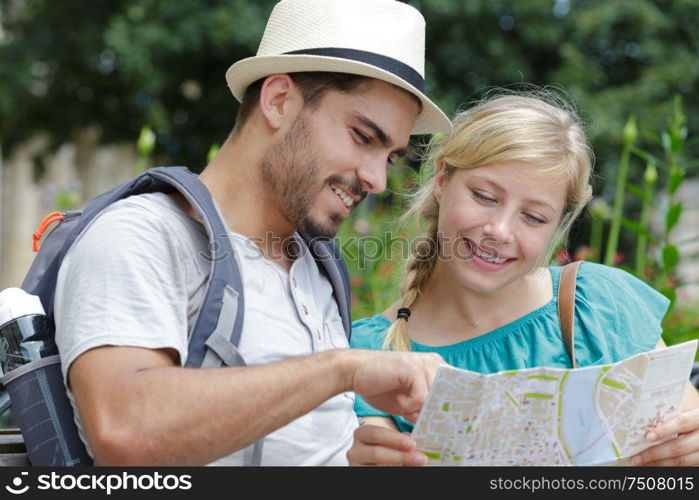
(126, 64)
(613, 58)
(122, 65)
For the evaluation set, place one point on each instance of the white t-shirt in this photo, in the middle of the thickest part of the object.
(136, 277)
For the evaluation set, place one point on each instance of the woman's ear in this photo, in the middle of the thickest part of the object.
(280, 100)
(439, 180)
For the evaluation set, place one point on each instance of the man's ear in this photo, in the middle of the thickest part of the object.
(439, 179)
(280, 100)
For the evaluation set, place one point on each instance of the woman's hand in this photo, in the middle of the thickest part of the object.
(682, 450)
(382, 445)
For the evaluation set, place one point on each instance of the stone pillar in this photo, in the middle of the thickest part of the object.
(21, 211)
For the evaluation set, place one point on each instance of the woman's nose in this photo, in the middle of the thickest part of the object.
(499, 226)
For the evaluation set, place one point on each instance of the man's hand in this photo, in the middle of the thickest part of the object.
(396, 382)
(375, 445)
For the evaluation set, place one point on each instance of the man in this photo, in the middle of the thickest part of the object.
(331, 97)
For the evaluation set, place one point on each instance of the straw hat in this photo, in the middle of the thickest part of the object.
(383, 39)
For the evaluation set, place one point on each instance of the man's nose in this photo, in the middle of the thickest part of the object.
(372, 175)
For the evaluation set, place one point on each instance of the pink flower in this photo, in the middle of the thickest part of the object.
(563, 257)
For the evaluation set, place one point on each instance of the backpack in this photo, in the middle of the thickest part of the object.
(219, 323)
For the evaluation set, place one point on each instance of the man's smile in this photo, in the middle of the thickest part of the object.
(346, 198)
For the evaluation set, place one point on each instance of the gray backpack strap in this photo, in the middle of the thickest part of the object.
(252, 455)
(219, 342)
(219, 321)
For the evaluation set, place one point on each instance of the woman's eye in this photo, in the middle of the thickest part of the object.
(481, 197)
(534, 219)
(363, 138)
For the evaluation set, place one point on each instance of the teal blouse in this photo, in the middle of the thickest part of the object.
(616, 316)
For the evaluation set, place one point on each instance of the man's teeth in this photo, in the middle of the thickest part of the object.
(346, 199)
(490, 258)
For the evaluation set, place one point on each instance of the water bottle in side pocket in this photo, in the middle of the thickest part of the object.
(31, 370)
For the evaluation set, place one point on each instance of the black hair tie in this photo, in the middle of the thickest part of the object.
(403, 313)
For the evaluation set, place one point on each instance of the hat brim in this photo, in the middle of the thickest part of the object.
(246, 71)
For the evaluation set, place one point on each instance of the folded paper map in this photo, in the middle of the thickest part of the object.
(549, 416)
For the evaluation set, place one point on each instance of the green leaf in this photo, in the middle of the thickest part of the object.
(635, 227)
(670, 256)
(673, 216)
(677, 141)
(676, 180)
(635, 189)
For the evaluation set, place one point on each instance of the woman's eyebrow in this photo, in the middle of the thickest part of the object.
(501, 189)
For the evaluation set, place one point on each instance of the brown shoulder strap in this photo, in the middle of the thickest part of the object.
(566, 306)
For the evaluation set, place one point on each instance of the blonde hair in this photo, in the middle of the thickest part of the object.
(538, 127)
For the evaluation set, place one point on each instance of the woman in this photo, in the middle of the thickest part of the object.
(508, 184)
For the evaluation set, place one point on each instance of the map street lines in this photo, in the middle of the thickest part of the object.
(549, 416)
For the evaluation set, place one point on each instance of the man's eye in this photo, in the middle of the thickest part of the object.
(361, 136)
(392, 159)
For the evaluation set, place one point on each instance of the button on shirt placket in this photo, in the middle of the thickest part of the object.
(304, 310)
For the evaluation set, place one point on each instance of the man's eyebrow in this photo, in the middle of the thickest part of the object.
(382, 136)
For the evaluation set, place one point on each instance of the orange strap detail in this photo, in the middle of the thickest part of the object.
(43, 226)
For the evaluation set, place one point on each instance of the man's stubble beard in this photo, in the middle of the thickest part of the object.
(291, 171)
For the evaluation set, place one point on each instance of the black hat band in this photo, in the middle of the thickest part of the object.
(394, 66)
